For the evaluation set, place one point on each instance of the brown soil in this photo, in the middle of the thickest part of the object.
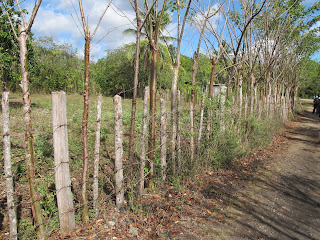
(283, 200)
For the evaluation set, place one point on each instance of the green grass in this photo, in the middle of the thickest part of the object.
(240, 137)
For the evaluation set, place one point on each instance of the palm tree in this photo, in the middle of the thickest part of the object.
(148, 29)
(154, 23)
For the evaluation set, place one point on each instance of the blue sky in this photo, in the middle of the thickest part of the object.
(55, 20)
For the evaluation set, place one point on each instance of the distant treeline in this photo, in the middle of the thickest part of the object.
(56, 67)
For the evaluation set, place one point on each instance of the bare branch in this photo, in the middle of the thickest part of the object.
(104, 12)
(33, 15)
(84, 24)
(74, 18)
(21, 13)
(12, 27)
(9, 9)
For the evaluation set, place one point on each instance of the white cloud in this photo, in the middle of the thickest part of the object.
(54, 20)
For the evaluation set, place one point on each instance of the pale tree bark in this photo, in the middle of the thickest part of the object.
(211, 95)
(174, 85)
(192, 145)
(201, 122)
(246, 105)
(23, 31)
(178, 131)
(193, 80)
(61, 163)
(135, 86)
(118, 141)
(97, 158)
(143, 139)
(163, 139)
(85, 116)
(240, 100)
(152, 116)
(7, 166)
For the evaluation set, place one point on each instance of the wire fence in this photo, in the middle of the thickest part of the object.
(45, 169)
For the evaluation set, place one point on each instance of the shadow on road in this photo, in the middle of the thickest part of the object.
(283, 203)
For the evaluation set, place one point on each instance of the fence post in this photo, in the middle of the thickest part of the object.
(118, 140)
(7, 165)
(61, 162)
(192, 146)
(201, 122)
(143, 139)
(96, 158)
(178, 131)
(163, 139)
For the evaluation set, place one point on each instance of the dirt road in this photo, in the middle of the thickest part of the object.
(282, 202)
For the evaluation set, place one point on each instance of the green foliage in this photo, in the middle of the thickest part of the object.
(9, 47)
(55, 67)
(309, 84)
(26, 229)
(227, 149)
(114, 73)
(258, 132)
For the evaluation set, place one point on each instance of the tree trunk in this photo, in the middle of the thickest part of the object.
(174, 116)
(28, 139)
(143, 139)
(83, 198)
(212, 78)
(240, 95)
(7, 166)
(118, 140)
(178, 131)
(134, 97)
(163, 139)
(252, 92)
(201, 123)
(61, 163)
(152, 114)
(246, 105)
(96, 158)
(194, 75)
(193, 104)
(192, 146)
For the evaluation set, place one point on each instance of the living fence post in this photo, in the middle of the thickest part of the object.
(178, 131)
(223, 92)
(143, 139)
(96, 158)
(192, 146)
(118, 145)
(163, 139)
(201, 122)
(61, 163)
(7, 165)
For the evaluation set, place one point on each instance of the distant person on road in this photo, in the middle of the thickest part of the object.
(316, 102)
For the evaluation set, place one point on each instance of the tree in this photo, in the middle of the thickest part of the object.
(153, 35)
(24, 28)
(175, 56)
(88, 38)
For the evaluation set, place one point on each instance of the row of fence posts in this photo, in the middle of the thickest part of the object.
(61, 154)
